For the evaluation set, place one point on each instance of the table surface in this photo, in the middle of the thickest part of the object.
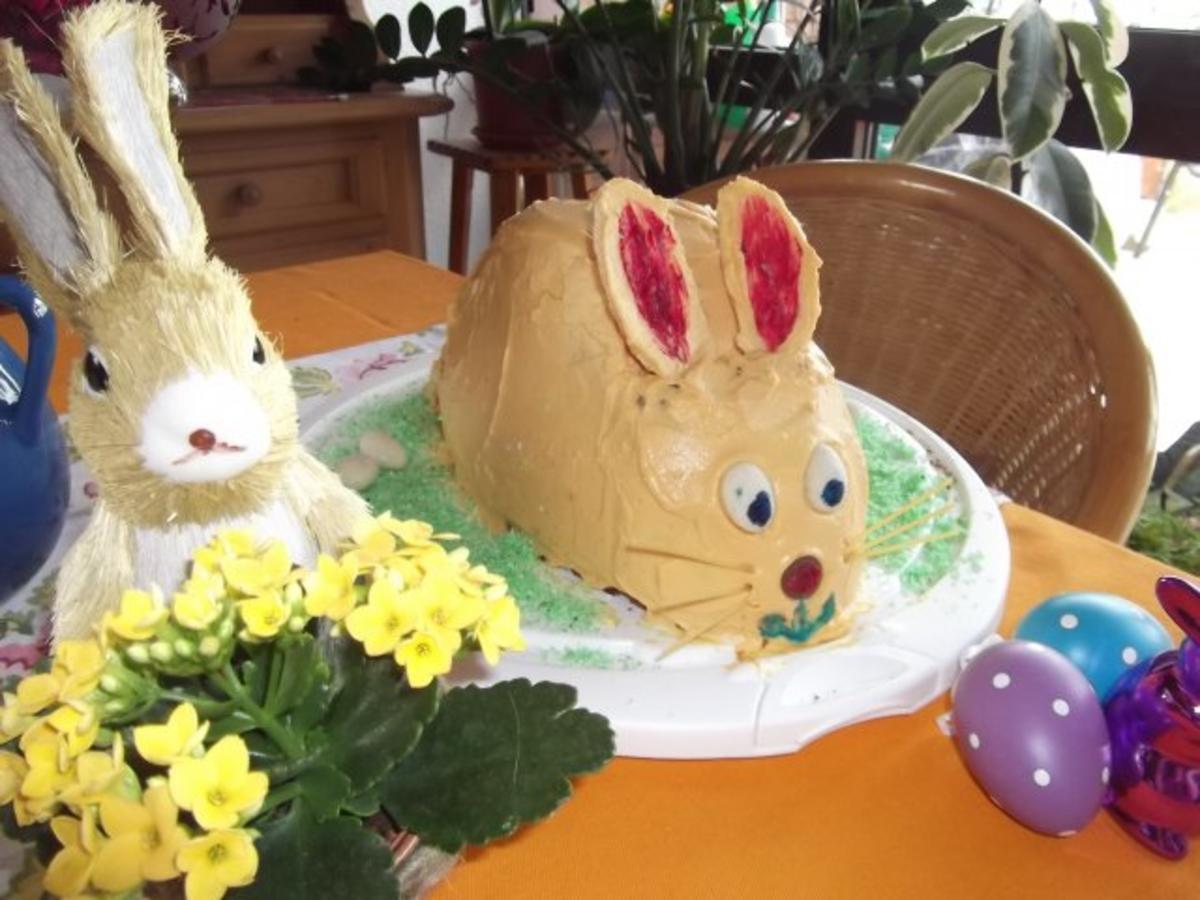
(883, 809)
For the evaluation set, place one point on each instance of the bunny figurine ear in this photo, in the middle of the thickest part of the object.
(1181, 600)
(650, 289)
(769, 267)
(66, 243)
(115, 58)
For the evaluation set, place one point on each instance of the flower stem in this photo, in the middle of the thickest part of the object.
(282, 794)
(207, 707)
(228, 682)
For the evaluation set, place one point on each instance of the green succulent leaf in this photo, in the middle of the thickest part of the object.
(303, 858)
(993, 168)
(945, 106)
(1103, 241)
(1107, 91)
(451, 26)
(885, 28)
(375, 718)
(1032, 79)
(301, 667)
(1112, 31)
(946, 9)
(387, 33)
(325, 789)
(1058, 183)
(493, 759)
(421, 27)
(952, 36)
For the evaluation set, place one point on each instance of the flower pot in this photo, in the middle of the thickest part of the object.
(506, 122)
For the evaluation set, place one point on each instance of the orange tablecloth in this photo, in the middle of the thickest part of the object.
(880, 810)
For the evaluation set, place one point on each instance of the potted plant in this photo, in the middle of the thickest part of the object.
(273, 731)
(529, 88)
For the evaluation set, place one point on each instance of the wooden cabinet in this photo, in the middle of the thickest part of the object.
(286, 175)
(297, 180)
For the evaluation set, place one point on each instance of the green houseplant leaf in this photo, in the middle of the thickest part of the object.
(1103, 241)
(451, 26)
(942, 109)
(848, 19)
(1107, 91)
(1112, 30)
(1059, 184)
(387, 33)
(1032, 79)
(885, 28)
(952, 36)
(301, 858)
(363, 743)
(994, 168)
(420, 27)
(494, 758)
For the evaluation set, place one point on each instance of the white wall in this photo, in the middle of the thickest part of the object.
(458, 123)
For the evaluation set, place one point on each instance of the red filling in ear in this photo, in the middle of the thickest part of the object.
(654, 278)
(772, 258)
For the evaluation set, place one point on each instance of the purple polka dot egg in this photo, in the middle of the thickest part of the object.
(1032, 733)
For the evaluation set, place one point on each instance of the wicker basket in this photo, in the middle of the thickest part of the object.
(989, 322)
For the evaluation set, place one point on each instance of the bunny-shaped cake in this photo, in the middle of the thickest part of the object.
(182, 409)
(632, 382)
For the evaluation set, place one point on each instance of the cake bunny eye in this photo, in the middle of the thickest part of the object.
(95, 373)
(260, 353)
(825, 479)
(748, 497)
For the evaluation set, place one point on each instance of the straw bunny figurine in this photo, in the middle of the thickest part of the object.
(182, 409)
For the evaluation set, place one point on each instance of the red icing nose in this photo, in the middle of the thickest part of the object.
(801, 578)
(202, 439)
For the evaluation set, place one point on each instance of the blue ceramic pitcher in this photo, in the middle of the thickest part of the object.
(34, 475)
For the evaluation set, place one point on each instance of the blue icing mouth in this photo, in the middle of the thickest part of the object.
(801, 627)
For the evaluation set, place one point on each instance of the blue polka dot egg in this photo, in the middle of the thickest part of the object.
(1102, 634)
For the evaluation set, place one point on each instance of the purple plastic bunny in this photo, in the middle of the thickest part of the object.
(1154, 722)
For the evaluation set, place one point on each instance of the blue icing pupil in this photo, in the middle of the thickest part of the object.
(759, 511)
(833, 492)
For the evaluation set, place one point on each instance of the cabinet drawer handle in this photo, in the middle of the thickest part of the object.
(249, 194)
(273, 55)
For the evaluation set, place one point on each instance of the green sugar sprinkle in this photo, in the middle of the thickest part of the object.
(589, 658)
(424, 489)
(896, 475)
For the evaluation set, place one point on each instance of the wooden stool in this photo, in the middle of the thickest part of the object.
(507, 170)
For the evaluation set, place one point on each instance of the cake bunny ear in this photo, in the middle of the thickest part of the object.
(769, 267)
(115, 58)
(649, 288)
(66, 243)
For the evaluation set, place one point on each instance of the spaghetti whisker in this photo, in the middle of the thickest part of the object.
(684, 557)
(909, 526)
(700, 632)
(915, 542)
(912, 504)
(700, 601)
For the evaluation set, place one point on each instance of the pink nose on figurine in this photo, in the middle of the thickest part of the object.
(801, 578)
(202, 439)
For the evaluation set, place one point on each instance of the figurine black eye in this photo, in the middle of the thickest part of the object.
(748, 497)
(825, 480)
(260, 352)
(94, 373)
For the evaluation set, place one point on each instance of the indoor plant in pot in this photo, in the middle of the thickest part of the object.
(277, 732)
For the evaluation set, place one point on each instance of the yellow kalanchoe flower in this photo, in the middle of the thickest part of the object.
(444, 611)
(140, 614)
(144, 839)
(373, 543)
(261, 574)
(78, 724)
(264, 615)
(95, 773)
(329, 589)
(71, 869)
(13, 720)
(13, 770)
(424, 657)
(36, 692)
(181, 736)
(389, 614)
(219, 788)
(77, 665)
(200, 603)
(499, 628)
(216, 862)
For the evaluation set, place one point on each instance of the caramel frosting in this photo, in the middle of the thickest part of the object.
(706, 494)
